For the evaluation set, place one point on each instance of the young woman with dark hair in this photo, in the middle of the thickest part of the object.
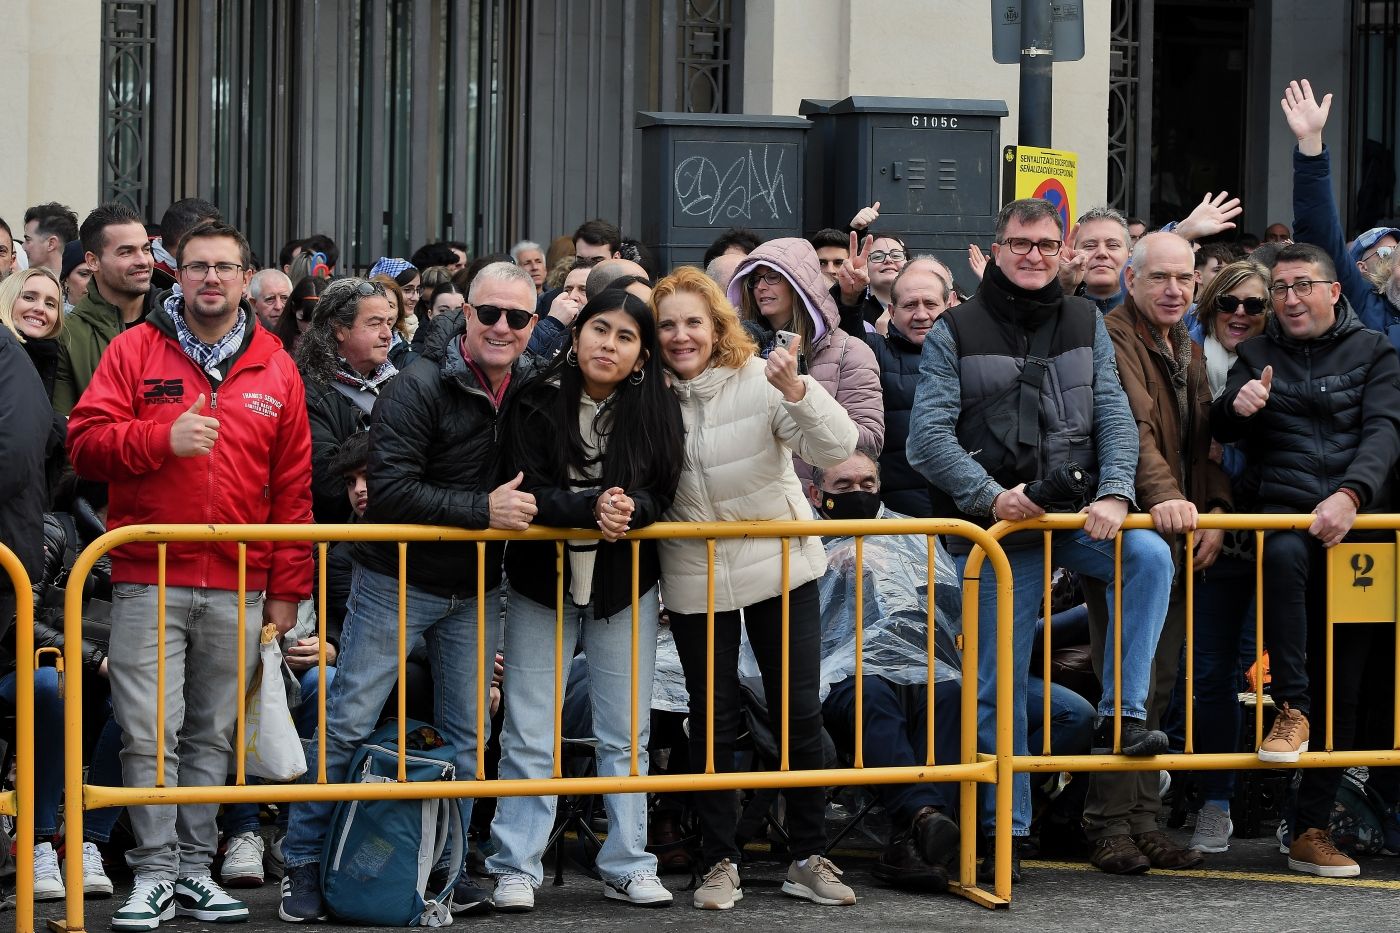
(598, 440)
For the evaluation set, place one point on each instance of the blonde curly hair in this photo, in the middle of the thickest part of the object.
(732, 345)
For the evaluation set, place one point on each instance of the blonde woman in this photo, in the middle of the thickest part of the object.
(31, 306)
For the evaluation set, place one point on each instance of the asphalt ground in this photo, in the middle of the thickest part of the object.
(1247, 889)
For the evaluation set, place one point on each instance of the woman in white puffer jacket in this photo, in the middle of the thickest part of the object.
(744, 418)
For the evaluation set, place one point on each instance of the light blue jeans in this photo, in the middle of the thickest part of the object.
(1147, 583)
(522, 825)
(367, 669)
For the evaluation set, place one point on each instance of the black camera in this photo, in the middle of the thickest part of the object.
(1066, 489)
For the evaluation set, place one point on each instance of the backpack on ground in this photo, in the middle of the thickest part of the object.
(380, 854)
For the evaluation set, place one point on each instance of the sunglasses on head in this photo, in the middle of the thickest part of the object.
(1252, 306)
(516, 319)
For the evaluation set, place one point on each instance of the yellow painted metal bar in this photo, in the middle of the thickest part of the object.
(160, 664)
(1190, 640)
(1258, 639)
(1047, 583)
(710, 656)
(483, 695)
(74, 813)
(1396, 692)
(1118, 642)
(403, 662)
(24, 745)
(322, 549)
(930, 627)
(559, 659)
(860, 646)
(1331, 655)
(787, 686)
(969, 814)
(636, 637)
(240, 752)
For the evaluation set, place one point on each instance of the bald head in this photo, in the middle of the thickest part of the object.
(609, 271)
(1162, 279)
(722, 269)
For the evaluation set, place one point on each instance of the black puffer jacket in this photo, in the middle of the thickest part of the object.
(902, 488)
(531, 564)
(434, 459)
(1332, 419)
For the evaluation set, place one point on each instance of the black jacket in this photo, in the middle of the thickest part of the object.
(26, 436)
(434, 446)
(530, 565)
(333, 419)
(902, 488)
(1332, 419)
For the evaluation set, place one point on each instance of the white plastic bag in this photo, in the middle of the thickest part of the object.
(270, 738)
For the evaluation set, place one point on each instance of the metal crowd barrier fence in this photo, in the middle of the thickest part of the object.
(972, 769)
(1378, 604)
(19, 802)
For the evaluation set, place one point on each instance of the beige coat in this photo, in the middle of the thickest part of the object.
(740, 437)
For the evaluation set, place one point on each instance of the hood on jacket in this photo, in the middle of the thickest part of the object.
(1346, 322)
(796, 259)
(441, 332)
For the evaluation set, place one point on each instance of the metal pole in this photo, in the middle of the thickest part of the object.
(1037, 54)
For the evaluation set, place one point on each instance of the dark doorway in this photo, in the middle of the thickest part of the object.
(1200, 54)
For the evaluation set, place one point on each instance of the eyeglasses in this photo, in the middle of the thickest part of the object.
(414, 290)
(1302, 289)
(1380, 252)
(893, 255)
(1229, 304)
(225, 270)
(516, 319)
(365, 288)
(1022, 246)
(767, 278)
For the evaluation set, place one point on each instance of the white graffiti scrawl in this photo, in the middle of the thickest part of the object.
(748, 184)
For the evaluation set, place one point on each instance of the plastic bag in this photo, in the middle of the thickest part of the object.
(270, 738)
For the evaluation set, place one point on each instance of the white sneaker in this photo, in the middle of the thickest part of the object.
(643, 890)
(48, 879)
(203, 899)
(514, 894)
(1213, 829)
(151, 901)
(95, 880)
(243, 861)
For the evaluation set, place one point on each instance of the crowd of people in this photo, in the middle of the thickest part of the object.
(166, 375)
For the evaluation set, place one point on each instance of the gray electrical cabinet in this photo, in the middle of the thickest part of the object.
(934, 164)
(704, 173)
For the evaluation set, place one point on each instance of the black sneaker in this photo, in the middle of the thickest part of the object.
(1138, 741)
(937, 836)
(987, 868)
(468, 899)
(301, 894)
(901, 866)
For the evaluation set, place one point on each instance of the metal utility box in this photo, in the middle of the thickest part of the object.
(820, 172)
(705, 173)
(934, 164)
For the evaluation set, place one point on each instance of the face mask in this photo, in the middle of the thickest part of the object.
(854, 504)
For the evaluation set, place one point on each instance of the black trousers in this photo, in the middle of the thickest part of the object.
(718, 810)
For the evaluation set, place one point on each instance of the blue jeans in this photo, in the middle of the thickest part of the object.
(1071, 719)
(1147, 580)
(522, 825)
(48, 746)
(1224, 607)
(366, 672)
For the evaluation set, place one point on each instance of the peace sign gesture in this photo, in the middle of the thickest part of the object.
(854, 275)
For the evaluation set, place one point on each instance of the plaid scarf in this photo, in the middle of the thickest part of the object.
(370, 383)
(206, 356)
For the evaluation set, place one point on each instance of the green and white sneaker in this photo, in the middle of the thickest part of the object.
(151, 901)
(203, 899)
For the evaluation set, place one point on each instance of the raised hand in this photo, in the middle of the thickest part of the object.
(1305, 116)
(1215, 214)
(976, 259)
(1254, 394)
(511, 509)
(854, 275)
(865, 217)
(193, 434)
(1072, 262)
(781, 371)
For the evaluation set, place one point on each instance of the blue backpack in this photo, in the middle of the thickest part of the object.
(379, 854)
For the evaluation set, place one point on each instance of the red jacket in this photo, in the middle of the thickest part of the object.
(258, 472)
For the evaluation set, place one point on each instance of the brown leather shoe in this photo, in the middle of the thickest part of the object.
(1118, 855)
(1163, 852)
(1315, 853)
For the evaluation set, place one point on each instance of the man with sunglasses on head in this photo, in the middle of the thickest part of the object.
(1019, 384)
(432, 460)
(1315, 401)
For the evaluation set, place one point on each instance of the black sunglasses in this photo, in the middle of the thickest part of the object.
(488, 315)
(1252, 306)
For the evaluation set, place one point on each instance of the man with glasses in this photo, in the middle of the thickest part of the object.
(1019, 384)
(432, 460)
(1315, 219)
(196, 416)
(1316, 402)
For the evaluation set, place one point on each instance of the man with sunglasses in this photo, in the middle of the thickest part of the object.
(1018, 384)
(1163, 372)
(432, 460)
(1315, 218)
(1315, 400)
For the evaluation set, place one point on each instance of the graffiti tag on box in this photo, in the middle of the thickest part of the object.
(724, 183)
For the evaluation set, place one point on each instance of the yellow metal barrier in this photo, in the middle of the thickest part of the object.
(970, 771)
(1369, 610)
(19, 803)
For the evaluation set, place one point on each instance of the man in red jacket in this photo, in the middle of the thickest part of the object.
(197, 415)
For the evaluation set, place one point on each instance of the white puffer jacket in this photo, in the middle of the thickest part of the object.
(740, 437)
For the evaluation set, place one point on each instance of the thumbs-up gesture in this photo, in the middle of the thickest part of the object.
(1254, 394)
(865, 217)
(854, 274)
(511, 509)
(193, 434)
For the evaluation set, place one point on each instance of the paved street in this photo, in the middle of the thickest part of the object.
(1247, 889)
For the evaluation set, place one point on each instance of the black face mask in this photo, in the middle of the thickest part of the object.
(854, 504)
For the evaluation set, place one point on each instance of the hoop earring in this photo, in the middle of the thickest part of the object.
(638, 377)
(571, 357)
